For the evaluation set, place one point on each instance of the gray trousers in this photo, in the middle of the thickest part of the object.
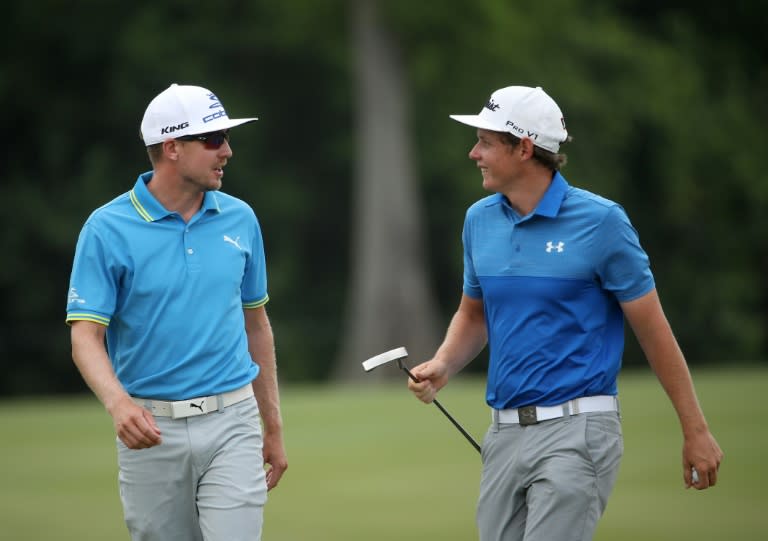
(205, 481)
(549, 481)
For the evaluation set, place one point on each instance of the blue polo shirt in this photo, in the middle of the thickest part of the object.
(551, 283)
(171, 293)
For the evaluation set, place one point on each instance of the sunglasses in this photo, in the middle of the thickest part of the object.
(211, 141)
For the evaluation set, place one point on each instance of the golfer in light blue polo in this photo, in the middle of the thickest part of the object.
(169, 329)
(550, 273)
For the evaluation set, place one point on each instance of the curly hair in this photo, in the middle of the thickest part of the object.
(550, 160)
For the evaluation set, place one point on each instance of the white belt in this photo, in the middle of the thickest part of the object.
(530, 415)
(179, 409)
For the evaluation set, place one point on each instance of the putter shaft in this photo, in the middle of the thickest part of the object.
(470, 439)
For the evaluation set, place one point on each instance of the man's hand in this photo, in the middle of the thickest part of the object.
(432, 376)
(704, 454)
(134, 425)
(274, 456)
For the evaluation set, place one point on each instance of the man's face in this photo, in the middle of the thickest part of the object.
(496, 160)
(202, 161)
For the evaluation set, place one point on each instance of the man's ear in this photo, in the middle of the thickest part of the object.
(171, 149)
(525, 148)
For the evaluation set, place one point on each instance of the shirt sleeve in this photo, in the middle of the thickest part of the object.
(93, 283)
(254, 287)
(471, 286)
(623, 266)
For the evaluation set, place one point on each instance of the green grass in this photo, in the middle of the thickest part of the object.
(373, 463)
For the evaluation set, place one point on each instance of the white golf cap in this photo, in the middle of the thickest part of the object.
(185, 110)
(524, 112)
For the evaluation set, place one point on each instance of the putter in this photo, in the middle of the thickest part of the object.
(398, 355)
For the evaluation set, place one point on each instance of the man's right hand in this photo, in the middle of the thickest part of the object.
(432, 376)
(134, 425)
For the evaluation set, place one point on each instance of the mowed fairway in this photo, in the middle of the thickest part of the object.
(372, 463)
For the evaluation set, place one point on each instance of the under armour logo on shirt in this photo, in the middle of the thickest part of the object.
(556, 247)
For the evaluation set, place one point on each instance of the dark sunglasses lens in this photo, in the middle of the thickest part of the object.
(215, 140)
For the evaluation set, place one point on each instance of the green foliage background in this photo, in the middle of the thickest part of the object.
(665, 100)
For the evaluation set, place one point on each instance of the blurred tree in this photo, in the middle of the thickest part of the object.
(391, 301)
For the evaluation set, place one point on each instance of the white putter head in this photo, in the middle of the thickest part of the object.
(384, 358)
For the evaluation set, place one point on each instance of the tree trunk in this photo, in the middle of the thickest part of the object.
(390, 301)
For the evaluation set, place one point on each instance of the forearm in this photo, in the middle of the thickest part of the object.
(663, 353)
(668, 363)
(92, 361)
(653, 332)
(265, 388)
(261, 346)
(465, 338)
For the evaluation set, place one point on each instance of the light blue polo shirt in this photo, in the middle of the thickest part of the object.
(551, 283)
(171, 293)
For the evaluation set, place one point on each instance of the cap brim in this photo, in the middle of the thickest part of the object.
(224, 124)
(216, 125)
(476, 121)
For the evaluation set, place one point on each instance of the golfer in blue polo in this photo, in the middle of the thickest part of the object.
(550, 273)
(169, 329)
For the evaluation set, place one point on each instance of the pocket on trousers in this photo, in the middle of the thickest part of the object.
(247, 411)
(604, 440)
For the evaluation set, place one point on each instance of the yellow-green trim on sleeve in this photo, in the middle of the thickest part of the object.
(87, 317)
(256, 304)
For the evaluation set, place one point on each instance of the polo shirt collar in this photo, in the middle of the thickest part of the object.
(151, 210)
(550, 203)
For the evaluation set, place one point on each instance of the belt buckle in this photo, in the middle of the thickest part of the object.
(189, 408)
(527, 415)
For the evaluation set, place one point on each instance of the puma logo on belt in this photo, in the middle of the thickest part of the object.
(198, 406)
